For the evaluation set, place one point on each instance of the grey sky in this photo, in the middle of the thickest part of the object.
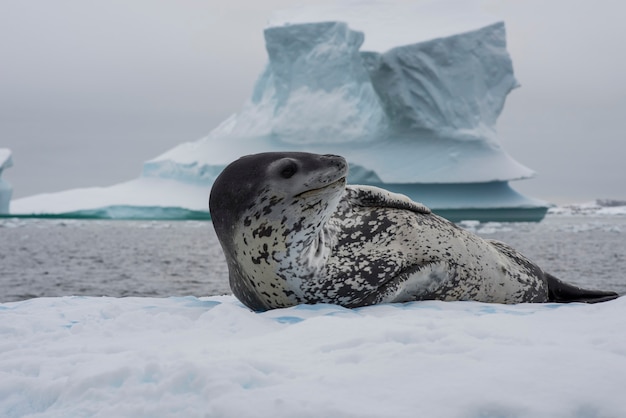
(90, 90)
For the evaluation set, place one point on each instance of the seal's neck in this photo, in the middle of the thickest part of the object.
(281, 245)
(283, 249)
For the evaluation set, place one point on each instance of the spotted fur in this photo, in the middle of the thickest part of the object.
(294, 233)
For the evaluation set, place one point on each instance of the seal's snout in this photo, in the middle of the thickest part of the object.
(337, 162)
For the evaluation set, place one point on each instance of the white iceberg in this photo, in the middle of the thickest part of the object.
(421, 113)
(6, 190)
(416, 118)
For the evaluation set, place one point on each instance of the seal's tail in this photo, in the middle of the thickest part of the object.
(561, 292)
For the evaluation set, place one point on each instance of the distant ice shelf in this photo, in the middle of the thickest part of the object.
(598, 207)
(411, 113)
(142, 198)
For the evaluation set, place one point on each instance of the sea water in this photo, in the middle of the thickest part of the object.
(42, 258)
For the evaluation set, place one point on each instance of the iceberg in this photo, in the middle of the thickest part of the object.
(421, 113)
(415, 116)
(6, 190)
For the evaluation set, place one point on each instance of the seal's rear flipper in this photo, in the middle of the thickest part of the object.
(559, 291)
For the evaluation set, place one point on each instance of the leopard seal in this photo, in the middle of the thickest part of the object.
(293, 233)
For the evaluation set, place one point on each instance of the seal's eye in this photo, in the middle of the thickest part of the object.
(289, 169)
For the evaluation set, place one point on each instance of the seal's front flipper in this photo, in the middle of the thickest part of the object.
(371, 196)
(559, 291)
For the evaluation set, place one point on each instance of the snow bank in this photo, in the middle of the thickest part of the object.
(6, 190)
(145, 357)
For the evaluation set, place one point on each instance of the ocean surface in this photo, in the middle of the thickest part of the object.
(46, 257)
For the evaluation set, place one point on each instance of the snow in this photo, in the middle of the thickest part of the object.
(6, 190)
(210, 356)
(409, 94)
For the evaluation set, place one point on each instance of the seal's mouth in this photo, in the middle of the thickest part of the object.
(341, 182)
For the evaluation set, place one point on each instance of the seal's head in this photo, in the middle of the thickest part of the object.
(261, 179)
(264, 206)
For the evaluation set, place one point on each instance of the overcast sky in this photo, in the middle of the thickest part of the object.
(91, 89)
